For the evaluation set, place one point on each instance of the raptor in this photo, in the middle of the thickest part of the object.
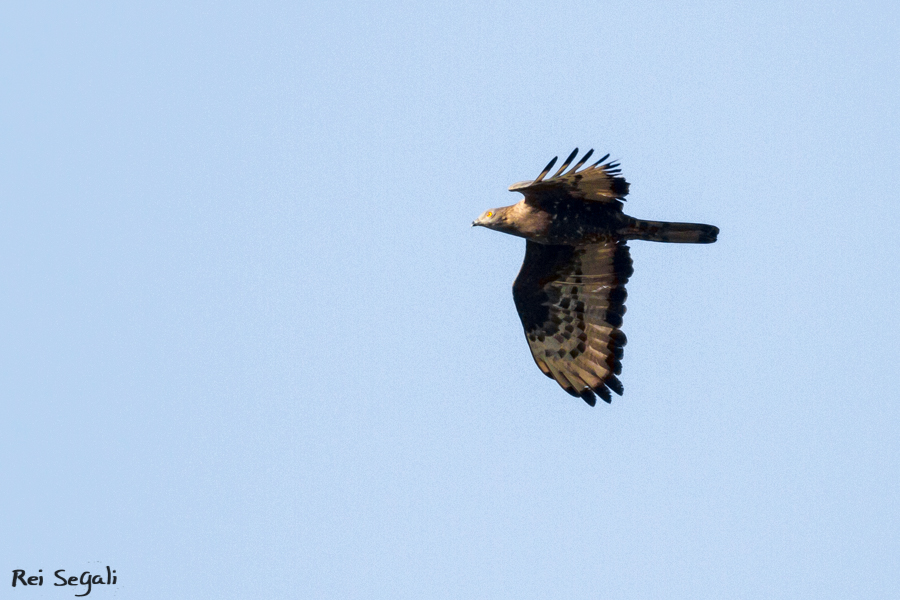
(570, 293)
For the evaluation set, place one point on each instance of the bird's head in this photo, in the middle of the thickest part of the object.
(492, 219)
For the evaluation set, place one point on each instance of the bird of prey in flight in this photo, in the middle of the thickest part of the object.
(570, 292)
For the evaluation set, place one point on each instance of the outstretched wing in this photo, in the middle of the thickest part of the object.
(596, 183)
(571, 300)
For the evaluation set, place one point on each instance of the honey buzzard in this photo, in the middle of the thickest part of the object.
(570, 292)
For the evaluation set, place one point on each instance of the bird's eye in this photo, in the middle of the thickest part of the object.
(489, 214)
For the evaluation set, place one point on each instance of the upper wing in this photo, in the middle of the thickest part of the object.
(571, 300)
(597, 183)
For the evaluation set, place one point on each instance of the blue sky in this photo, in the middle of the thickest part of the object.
(253, 347)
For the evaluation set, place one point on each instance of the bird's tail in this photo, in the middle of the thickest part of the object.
(677, 233)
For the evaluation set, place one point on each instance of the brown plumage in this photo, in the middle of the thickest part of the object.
(570, 292)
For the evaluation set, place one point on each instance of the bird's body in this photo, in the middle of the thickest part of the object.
(570, 292)
(561, 222)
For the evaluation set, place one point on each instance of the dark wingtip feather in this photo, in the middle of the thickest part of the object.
(613, 383)
(615, 364)
(588, 396)
(546, 169)
(567, 162)
(594, 166)
(582, 161)
(603, 392)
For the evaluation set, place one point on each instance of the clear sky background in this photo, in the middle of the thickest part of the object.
(252, 348)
